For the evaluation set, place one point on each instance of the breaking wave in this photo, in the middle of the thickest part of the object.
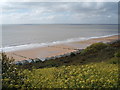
(35, 45)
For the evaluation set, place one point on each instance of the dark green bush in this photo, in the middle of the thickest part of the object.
(72, 54)
(11, 74)
(96, 47)
(113, 60)
(117, 54)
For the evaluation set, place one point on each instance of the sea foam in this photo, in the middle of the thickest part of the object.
(35, 45)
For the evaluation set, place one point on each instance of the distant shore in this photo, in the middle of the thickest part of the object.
(56, 50)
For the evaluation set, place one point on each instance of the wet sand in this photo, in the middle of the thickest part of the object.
(49, 51)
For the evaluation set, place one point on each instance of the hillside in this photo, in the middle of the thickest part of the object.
(94, 67)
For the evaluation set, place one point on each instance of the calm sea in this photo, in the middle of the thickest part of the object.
(27, 36)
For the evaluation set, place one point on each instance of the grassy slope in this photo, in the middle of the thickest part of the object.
(95, 67)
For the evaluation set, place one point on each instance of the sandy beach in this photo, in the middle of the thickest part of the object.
(49, 51)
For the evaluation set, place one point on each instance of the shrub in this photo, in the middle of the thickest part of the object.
(117, 54)
(99, 75)
(72, 54)
(96, 47)
(11, 75)
(113, 60)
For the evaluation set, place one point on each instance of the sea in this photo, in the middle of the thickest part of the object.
(25, 36)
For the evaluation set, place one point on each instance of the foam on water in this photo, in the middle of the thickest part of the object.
(35, 45)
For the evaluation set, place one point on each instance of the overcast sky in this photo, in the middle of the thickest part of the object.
(60, 13)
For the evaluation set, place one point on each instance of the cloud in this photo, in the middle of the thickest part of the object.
(59, 0)
(59, 12)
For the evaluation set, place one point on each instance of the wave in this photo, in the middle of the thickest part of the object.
(35, 45)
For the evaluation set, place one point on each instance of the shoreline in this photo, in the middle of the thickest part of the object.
(37, 45)
(56, 50)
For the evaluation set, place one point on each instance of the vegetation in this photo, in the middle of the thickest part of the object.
(94, 67)
(96, 47)
(117, 54)
(80, 76)
(11, 74)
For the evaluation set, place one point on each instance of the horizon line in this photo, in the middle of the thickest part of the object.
(59, 24)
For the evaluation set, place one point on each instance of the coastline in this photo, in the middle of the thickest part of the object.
(56, 50)
(37, 45)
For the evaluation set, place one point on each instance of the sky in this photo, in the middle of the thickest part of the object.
(59, 12)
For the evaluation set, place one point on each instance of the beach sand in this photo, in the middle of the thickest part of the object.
(49, 51)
